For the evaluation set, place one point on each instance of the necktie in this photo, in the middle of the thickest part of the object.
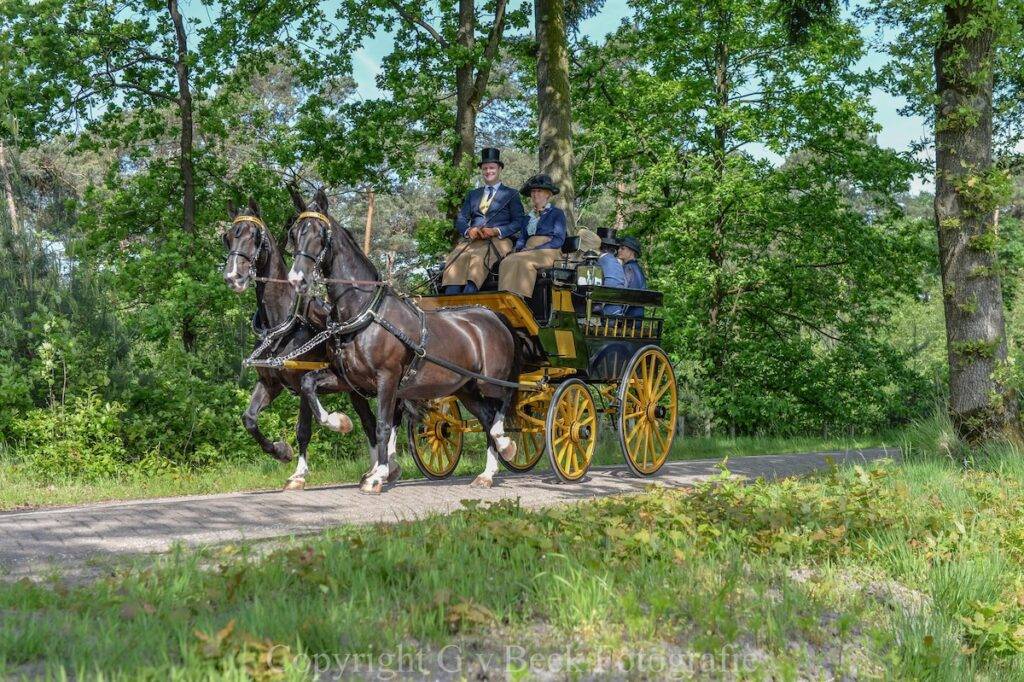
(485, 203)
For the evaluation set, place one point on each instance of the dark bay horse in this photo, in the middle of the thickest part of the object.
(253, 254)
(372, 357)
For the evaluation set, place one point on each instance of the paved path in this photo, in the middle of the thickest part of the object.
(31, 541)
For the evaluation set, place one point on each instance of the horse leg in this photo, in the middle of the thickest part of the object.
(394, 468)
(262, 396)
(485, 411)
(369, 424)
(387, 399)
(326, 381)
(506, 447)
(303, 432)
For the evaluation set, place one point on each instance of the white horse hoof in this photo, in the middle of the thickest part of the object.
(395, 474)
(339, 421)
(481, 482)
(295, 484)
(371, 488)
(509, 453)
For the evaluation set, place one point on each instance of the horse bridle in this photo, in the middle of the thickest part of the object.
(325, 237)
(261, 241)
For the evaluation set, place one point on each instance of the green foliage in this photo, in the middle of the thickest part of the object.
(80, 439)
(775, 295)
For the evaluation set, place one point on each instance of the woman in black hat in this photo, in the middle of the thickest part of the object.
(540, 241)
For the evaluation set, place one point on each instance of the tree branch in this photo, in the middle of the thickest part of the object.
(490, 52)
(419, 21)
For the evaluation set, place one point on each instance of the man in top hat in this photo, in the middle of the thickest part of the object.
(490, 218)
(629, 251)
(540, 241)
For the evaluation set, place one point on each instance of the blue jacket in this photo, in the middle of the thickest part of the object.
(505, 212)
(635, 279)
(551, 224)
(612, 275)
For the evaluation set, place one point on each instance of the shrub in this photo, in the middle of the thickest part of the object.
(80, 439)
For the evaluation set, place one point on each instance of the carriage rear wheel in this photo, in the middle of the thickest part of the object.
(571, 430)
(526, 428)
(647, 411)
(435, 441)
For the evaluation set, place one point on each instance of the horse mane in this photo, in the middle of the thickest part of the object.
(361, 257)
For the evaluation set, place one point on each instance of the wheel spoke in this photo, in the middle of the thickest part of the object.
(632, 434)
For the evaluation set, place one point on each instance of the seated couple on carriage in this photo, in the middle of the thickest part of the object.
(492, 216)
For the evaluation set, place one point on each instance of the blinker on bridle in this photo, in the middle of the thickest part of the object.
(261, 237)
(325, 236)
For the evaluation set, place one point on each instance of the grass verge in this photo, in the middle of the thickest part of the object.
(909, 571)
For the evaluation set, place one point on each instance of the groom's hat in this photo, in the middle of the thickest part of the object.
(490, 155)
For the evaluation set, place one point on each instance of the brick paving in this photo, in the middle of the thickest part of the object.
(35, 541)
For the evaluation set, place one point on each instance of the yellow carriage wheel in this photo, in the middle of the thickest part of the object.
(647, 410)
(571, 430)
(435, 441)
(526, 428)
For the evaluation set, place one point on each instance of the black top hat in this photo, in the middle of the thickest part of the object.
(632, 243)
(607, 236)
(539, 181)
(490, 155)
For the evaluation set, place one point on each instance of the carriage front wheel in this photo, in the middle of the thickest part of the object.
(435, 441)
(571, 430)
(647, 410)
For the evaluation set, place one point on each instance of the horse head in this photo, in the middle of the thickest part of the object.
(246, 240)
(309, 238)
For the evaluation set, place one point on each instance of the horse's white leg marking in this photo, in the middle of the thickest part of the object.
(375, 478)
(335, 421)
(392, 445)
(301, 469)
(394, 468)
(506, 446)
(486, 479)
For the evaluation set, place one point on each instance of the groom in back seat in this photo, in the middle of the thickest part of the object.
(489, 220)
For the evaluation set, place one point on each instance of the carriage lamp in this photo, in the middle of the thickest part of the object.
(588, 275)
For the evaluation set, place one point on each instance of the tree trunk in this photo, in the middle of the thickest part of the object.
(185, 109)
(465, 108)
(980, 406)
(554, 110)
(12, 209)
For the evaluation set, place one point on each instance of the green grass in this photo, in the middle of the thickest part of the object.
(904, 571)
(20, 489)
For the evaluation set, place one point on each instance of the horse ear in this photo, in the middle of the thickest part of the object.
(253, 206)
(289, 244)
(232, 211)
(297, 199)
(321, 199)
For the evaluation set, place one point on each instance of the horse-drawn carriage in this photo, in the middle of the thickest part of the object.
(580, 365)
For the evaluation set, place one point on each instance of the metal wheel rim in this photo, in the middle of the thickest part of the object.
(648, 405)
(569, 451)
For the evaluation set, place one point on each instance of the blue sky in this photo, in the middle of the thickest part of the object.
(897, 132)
